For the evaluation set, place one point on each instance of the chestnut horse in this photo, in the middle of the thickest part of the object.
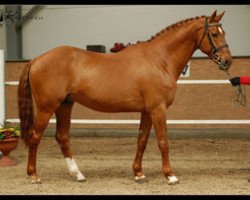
(140, 78)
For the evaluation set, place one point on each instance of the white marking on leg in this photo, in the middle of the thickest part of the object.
(140, 177)
(73, 169)
(172, 180)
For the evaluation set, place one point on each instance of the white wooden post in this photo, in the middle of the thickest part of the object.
(2, 88)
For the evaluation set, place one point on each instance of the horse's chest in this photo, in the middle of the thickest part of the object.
(159, 92)
(170, 96)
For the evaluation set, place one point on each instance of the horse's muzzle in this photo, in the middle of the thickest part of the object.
(224, 64)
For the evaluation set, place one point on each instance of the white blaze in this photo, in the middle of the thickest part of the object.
(220, 30)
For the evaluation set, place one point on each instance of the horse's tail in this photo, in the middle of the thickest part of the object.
(25, 104)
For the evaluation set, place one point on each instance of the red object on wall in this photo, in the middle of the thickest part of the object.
(117, 47)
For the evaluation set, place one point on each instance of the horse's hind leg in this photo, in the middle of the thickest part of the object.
(40, 124)
(63, 114)
(144, 130)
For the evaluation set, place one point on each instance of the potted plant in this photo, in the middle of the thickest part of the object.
(9, 137)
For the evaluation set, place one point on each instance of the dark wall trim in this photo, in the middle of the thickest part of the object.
(17, 60)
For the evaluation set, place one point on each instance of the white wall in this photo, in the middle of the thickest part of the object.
(81, 25)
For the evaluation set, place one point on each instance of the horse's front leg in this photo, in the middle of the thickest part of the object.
(158, 116)
(144, 130)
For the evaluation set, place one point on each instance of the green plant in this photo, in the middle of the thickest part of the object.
(7, 131)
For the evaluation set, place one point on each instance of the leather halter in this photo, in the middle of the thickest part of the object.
(214, 50)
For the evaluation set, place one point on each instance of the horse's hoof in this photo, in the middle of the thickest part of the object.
(78, 176)
(35, 180)
(81, 179)
(172, 180)
(140, 179)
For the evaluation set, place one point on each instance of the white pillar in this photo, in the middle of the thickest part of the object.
(2, 88)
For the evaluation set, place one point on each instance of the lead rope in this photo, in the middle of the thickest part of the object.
(240, 93)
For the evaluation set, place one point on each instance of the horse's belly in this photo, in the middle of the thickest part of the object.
(110, 104)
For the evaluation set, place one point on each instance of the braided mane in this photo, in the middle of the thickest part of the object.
(169, 28)
(174, 26)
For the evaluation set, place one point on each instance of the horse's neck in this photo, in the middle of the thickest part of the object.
(177, 47)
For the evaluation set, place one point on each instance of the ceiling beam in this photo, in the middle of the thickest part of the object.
(27, 16)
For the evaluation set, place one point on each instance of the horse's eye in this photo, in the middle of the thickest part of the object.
(214, 34)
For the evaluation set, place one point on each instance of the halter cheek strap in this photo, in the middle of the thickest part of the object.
(213, 48)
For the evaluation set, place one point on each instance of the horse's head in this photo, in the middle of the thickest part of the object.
(211, 41)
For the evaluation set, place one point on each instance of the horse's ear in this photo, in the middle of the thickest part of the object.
(218, 17)
(212, 17)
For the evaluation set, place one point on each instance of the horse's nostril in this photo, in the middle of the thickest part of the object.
(227, 62)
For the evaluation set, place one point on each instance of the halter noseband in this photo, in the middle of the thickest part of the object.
(214, 50)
